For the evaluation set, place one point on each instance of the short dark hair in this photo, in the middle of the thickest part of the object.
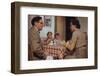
(35, 19)
(75, 22)
(48, 33)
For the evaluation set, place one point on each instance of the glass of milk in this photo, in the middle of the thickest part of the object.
(49, 58)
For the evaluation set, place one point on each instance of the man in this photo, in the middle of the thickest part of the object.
(35, 51)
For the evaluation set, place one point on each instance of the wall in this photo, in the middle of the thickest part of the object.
(60, 24)
(84, 23)
(5, 38)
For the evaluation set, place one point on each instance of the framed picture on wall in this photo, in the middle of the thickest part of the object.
(48, 21)
(52, 37)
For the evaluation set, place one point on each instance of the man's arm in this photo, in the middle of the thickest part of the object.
(36, 47)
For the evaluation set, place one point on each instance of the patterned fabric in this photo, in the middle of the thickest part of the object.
(57, 52)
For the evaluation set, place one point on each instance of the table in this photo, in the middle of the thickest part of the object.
(57, 52)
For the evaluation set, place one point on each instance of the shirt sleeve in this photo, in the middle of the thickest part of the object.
(73, 41)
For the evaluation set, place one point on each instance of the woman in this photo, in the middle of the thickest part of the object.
(78, 43)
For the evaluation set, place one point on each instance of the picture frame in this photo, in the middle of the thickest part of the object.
(48, 20)
(16, 45)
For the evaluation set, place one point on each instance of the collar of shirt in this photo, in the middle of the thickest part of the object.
(36, 29)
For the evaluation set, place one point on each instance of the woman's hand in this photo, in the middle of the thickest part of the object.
(66, 44)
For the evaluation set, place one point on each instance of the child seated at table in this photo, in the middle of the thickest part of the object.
(49, 39)
(58, 40)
